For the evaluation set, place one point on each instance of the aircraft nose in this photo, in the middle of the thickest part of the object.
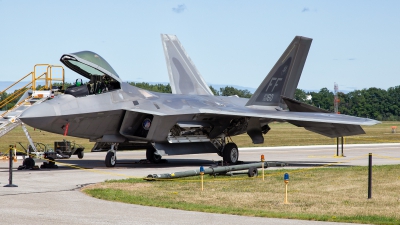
(39, 116)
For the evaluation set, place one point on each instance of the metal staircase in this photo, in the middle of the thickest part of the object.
(9, 119)
(28, 96)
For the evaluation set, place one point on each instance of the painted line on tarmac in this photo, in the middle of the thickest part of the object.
(325, 156)
(317, 146)
(385, 157)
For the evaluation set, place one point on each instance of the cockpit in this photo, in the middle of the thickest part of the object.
(102, 77)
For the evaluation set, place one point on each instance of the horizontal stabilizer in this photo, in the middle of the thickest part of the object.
(331, 130)
(183, 75)
(326, 129)
(296, 106)
(284, 76)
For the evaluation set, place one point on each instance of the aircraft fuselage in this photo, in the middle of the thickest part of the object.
(118, 115)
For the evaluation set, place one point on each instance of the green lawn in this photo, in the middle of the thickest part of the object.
(322, 194)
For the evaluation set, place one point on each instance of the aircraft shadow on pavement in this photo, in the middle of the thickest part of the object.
(129, 163)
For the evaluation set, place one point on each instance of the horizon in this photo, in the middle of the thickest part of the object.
(5, 84)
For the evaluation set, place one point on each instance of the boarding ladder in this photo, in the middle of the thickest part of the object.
(28, 96)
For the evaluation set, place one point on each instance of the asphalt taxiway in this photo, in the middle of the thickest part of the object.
(49, 196)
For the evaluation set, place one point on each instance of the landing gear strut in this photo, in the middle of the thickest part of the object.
(152, 156)
(111, 157)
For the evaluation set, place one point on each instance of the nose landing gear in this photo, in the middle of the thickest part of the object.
(111, 157)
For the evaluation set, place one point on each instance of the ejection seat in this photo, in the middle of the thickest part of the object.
(78, 89)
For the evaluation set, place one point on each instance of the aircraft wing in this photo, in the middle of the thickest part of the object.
(304, 117)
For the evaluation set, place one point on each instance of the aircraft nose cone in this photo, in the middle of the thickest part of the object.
(38, 116)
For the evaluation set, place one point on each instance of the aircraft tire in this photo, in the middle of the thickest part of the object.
(111, 159)
(231, 153)
(51, 161)
(81, 154)
(29, 163)
(151, 156)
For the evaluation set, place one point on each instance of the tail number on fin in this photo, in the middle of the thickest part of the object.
(268, 97)
(273, 83)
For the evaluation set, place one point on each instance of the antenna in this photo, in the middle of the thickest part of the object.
(336, 100)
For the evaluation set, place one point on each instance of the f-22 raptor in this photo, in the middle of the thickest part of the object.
(191, 120)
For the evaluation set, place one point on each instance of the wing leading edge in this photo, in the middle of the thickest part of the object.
(323, 118)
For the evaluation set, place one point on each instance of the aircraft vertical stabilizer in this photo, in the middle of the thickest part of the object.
(282, 80)
(183, 75)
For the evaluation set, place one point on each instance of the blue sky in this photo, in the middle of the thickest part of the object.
(355, 43)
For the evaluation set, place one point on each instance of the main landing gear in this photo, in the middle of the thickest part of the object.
(111, 157)
(230, 153)
(152, 155)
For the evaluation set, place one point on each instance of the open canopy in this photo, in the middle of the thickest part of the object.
(89, 64)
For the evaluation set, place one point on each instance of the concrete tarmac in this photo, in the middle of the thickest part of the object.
(49, 196)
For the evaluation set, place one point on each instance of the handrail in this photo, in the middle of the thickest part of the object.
(48, 82)
(48, 79)
(12, 97)
(16, 94)
(34, 75)
(17, 105)
(51, 74)
(15, 83)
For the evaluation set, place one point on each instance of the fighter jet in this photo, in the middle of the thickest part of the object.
(191, 120)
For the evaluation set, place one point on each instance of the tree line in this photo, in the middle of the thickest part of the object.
(374, 103)
(166, 88)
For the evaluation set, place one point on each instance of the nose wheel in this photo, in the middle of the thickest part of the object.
(152, 156)
(111, 157)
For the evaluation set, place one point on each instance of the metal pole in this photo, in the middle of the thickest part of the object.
(262, 166)
(342, 145)
(337, 146)
(10, 184)
(202, 181)
(286, 201)
(369, 175)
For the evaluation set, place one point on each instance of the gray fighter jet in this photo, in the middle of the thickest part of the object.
(191, 120)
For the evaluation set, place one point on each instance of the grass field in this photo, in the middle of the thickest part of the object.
(328, 194)
(281, 134)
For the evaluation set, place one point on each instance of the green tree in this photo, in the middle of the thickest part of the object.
(215, 92)
(229, 91)
(162, 88)
(323, 99)
(301, 96)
